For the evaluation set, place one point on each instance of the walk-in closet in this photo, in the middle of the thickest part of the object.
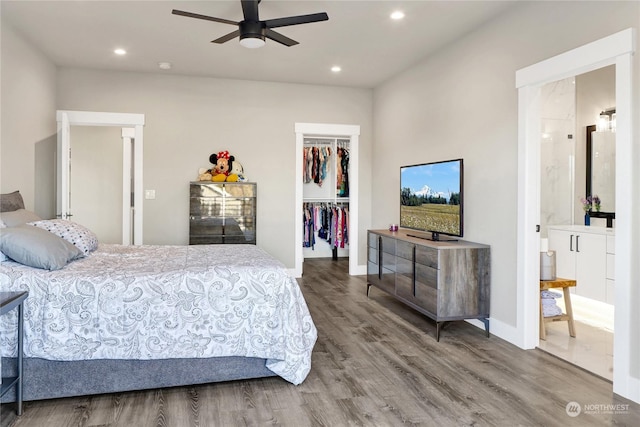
(326, 193)
(325, 197)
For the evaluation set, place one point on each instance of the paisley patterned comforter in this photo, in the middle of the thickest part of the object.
(160, 302)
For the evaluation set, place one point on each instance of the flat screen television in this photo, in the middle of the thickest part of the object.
(431, 199)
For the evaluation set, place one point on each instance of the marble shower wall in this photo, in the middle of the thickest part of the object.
(557, 153)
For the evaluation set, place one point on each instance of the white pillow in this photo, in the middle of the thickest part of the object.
(80, 236)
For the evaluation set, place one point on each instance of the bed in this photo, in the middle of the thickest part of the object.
(123, 318)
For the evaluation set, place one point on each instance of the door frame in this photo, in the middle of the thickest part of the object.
(132, 140)
(615, 49)
(351, 132)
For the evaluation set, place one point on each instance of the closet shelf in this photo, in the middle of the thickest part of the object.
(326, 199)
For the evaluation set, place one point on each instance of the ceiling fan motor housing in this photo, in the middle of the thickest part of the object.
(251, 29)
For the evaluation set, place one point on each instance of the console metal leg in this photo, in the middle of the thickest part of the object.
(368, 287)
(438, 328)
(486, 326)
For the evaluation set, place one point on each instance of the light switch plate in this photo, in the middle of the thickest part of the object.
(149, 194)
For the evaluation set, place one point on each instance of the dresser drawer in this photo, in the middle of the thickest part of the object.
(404, 250)
(372, 255)
(206, 206)
(427, 298)
(427, 256)
(373, 240)
(427, 276)
(388, 281)
(388, 245)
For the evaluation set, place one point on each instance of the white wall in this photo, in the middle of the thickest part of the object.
(188, 118)
(28, 115)
(462, 102)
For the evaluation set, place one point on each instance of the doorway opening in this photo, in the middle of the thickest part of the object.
(131, 153)
(580, 252)
(340, 136)
(616, 49)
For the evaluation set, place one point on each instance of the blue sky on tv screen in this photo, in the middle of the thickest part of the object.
(436, 178)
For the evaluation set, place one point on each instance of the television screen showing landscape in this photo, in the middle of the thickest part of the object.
(431, 197)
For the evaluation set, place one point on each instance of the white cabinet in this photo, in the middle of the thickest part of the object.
(581, 255)
(611, 270)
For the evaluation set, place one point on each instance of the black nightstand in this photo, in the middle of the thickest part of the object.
(9, 301)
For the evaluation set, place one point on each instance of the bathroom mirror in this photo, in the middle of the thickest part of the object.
(601, 167)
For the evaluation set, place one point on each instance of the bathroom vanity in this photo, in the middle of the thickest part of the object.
(587, 255)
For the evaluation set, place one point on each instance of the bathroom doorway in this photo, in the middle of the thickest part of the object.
(569, 109)
(615, 49)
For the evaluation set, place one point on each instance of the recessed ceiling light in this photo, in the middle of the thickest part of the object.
(336, 69)
(164, 65)
(398, 14)
(120, 51)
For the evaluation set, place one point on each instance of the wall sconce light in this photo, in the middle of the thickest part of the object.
(607, 121)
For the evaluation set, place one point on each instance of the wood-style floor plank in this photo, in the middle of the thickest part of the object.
(376, 363)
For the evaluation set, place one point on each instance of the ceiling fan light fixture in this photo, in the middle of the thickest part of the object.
(252, 42)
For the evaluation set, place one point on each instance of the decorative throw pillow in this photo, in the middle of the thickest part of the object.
(10, 202)
(37, 248)
(17, 217)
(74, 233)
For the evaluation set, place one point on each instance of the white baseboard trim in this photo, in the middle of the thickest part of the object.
(500, 329)
(361, 270)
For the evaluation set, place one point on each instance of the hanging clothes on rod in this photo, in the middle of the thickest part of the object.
(315, 161)
(330, 221)
(342, 172)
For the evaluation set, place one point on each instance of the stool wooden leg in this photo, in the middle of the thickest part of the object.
(567, 303)
(543, 328)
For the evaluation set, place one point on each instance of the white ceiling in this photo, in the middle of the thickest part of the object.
(359, 36)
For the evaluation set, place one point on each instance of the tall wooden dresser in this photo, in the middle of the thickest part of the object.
(222, 212)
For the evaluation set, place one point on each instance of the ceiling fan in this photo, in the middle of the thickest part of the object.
(252, 31)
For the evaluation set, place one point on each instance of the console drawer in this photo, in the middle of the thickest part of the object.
(373, 240)
(372, 255)
(404, 250)
(427, 298)
(388, 245)
(427, 276)
(427, 256)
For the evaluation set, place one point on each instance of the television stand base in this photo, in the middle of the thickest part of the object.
(435, 237)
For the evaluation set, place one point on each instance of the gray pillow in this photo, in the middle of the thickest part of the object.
(11, 202)
(37, 248)
(17, 217)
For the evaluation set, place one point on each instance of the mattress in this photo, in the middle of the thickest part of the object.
(163, 302)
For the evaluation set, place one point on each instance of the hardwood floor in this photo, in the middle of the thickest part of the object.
(376, 363)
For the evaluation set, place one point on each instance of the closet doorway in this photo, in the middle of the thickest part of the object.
(130, 137)
(310, 136)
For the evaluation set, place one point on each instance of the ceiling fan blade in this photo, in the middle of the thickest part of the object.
(250, 10)
(198, 16)
(295, 20)
(270, 34)
(231, 35)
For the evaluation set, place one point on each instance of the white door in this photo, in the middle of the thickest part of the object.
(101, 184)
(95, 181)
